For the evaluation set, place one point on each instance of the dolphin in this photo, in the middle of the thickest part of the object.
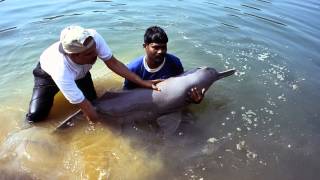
(162, 106)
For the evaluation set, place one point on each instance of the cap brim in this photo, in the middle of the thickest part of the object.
(62, 50)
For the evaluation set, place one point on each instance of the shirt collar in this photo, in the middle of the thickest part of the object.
(145, 64)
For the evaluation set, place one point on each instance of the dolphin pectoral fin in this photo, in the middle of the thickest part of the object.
(226, 73)
(169, 123)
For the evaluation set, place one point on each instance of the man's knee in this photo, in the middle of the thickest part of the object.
(40, 106)
(36, 116)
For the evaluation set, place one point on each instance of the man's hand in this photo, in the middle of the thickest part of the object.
(195, 95)
(89, 111)
(154, 84)
(151, 84)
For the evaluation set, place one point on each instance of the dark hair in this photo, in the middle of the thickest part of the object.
(155, 34)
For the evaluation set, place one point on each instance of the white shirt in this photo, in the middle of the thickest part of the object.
(64, 71)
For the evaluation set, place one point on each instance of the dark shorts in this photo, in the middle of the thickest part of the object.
(45, 89)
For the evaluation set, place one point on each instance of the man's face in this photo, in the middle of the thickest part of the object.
(89, 56)
(155, 52)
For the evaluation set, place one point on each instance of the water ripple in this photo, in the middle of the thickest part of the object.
(53, 17)
(251, 7)
(7, 29)
(230, 25)
(232, 8)
(104, 1)
(266, 19)
(264, 1)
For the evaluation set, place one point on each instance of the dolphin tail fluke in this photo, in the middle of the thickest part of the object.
(226, 73)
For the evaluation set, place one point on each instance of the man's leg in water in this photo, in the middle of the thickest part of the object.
(43, 94)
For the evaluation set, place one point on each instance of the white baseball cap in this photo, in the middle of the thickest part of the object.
(72, 39)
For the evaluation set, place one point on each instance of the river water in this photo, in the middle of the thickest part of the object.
(262, 123)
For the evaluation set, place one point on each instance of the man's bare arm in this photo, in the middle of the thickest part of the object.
(122, 70)
(88, 109)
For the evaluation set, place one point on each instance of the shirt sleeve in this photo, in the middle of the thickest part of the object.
(69, 89)
(133, 66)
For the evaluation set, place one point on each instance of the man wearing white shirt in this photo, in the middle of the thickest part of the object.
(65, 66)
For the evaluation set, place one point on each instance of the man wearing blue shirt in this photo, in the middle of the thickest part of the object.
(157, 63)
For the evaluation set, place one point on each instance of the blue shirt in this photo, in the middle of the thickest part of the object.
(171, 67)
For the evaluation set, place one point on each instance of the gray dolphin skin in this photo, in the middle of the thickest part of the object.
(148, 105)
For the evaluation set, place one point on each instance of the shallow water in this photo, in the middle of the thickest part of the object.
(262, 123)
